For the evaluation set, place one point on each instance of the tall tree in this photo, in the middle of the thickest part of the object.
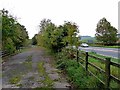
(14, 35)
(55, 38)
(106, 33)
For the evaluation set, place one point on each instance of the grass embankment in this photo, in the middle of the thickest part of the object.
(77, 74)
(112, 46)
(105, 46)
(113, 70)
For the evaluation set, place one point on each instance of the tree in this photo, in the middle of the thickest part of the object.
(70, 32)
(34, 40)
(106, 33)
(14, 35)
(55, 38)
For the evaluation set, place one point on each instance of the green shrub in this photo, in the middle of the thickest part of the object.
(76, 73)
(9, 46)
(71, 63)
(14, 80)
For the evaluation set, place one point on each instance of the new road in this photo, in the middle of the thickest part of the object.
(111, 52)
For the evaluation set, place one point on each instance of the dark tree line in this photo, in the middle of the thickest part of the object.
(14, 35)
(56, 37)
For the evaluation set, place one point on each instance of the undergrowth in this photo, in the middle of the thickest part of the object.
(77, 74)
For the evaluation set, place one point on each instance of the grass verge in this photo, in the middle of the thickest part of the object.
(77, 74)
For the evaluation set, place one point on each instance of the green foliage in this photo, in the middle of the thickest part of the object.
(106, 33)
(34, 40)
(55, 38)
(76, 73)
(47, 81)
(14, 80)
(14, 35)
(9, 45)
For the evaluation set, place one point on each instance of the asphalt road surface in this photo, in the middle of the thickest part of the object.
(111, 52)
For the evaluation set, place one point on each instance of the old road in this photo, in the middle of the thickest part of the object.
(32, 69)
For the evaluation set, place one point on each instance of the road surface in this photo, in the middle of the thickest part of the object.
(111, 52)
(31, 69)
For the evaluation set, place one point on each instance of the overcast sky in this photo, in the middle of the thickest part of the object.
(86, 13)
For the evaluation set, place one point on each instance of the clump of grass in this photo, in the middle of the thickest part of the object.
(29, 58)
(28, 62)
(14, 80)
(41, 69)
(31, 78)
(114, 84)
(47, 80)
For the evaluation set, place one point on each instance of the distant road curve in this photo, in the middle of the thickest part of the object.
(111, 52)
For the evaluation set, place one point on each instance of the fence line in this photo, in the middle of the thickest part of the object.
(107, 62)
(4, 53)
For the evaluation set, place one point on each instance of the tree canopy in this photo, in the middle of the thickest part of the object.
(105, 32)
(56, 37)
(14, 35)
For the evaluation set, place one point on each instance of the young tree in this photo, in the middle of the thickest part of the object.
(106, 33)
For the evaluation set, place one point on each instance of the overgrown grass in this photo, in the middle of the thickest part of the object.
(77, 74)
(112, 46)
(80, 78)
(48, 83)
(101, 56)
(113, 70)
(14, 80)
(105, 46)
(28, 62)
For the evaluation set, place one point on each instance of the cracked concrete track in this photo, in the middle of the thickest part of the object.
(21, 71)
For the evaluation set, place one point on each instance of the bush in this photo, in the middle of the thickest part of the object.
(9, 46)
(76, 73)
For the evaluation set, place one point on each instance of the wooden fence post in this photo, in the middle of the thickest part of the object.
(77, 55)
(107, 72)
(86, 61)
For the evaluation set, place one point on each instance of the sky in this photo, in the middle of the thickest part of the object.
(85, 13)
